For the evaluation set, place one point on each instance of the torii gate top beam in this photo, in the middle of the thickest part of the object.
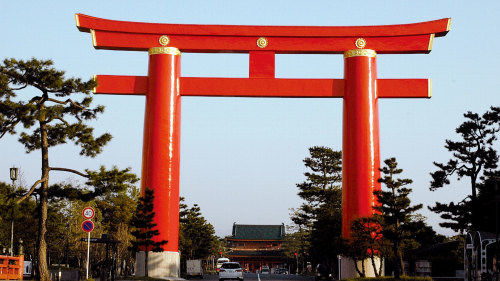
(384, 39)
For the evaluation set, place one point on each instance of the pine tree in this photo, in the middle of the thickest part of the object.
(57, 117)
(472, 157)
(321, 213)
(197, 238)
(395, 211)
(142, 220)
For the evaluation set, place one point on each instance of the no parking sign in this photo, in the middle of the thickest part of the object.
(87, 226)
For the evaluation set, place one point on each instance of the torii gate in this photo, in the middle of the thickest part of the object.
(163, 88)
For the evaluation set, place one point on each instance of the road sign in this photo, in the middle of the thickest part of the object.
(87, 226)
(100, 240)
(88, 212)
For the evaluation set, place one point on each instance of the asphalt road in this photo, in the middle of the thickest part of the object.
(257, 277)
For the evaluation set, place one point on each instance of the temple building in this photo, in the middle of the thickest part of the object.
(255, 246)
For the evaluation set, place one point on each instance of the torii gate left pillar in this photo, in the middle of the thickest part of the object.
(161, 156)
(164, 87)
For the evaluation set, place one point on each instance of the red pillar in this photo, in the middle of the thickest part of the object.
(361, 153)
(161, 148)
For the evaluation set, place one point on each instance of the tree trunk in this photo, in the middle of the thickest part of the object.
(361, 273)
(43, 270)
(146, 262)
(372, 257)
(401, 262)
(397, 265)
(475, 219)
(381, 265)
(363, 267)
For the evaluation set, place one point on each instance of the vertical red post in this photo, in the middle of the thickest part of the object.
(161, 148)
(361, 152)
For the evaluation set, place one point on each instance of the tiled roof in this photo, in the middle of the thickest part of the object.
(258, 232)
(242, 253)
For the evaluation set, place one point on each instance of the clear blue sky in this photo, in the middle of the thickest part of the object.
(241, 158)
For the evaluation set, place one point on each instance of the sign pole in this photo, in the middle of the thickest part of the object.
(88, 253)
(87, 226)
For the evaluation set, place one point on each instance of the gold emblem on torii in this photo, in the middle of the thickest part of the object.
(164, 40)
(360, 43)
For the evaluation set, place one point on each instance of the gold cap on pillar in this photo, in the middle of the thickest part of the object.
(164, 50)
(360, 53)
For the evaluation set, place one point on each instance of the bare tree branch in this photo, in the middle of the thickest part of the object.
(65, 102)
(31, 189)
(62, 120)
(69, 170)
(20, 88)
(37, 99)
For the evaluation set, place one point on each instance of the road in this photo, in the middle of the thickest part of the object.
(274, 277)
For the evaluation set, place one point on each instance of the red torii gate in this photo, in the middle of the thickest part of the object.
(163, 88)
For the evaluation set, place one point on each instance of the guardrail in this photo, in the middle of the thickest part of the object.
(11, 268)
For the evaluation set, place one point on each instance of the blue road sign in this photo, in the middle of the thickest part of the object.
(87, 226)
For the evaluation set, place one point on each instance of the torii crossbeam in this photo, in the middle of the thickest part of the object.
(163, 87)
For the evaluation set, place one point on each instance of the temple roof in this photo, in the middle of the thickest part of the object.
(258, 232)
(255, 253)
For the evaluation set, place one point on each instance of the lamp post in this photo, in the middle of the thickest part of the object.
(13, 176)
(496, 229)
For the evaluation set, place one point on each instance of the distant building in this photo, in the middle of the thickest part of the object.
(254, 246)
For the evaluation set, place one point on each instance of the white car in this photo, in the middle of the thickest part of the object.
(231, 270)
(265, 270)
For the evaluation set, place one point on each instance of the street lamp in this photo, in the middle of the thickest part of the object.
(13, 176)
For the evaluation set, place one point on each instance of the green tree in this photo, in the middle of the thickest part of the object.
(292, 243)
(23, 217)
(197, 238)
(142, 220)
(321, 212)
(295, 243)
(472, 157)
(117, 210)
(395, 212)
(52, 116)
(366, 242)
(456, 216)
(423, 234)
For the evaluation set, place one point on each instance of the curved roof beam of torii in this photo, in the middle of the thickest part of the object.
(139, 36)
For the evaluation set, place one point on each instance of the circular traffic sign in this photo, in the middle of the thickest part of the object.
(87, 226)
(88, 212)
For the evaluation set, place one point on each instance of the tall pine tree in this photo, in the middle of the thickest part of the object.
(395, 212)
(142, 220)
(473, 157)
(321, 212)
(50, 110)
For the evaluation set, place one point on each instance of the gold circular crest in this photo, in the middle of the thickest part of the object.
(262, 42)
(360, 43)
(164, 40)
